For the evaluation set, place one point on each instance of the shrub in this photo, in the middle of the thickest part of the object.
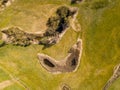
(53, 24)
(63, 12)
(58, 23)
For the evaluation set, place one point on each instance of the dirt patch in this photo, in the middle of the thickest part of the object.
(69, 64)
(58, 25)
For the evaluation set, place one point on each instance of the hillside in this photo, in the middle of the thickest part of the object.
(97, 24)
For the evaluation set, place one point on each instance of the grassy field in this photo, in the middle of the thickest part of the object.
(101, 45)
(14, 87)
(3, 75)
(115, 85)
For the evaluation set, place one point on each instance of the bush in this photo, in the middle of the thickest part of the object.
(63, 12)
(53, 22)
(58, 23)
(17, 36)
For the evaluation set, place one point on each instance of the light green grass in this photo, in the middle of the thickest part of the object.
(115, 85)
(101, 44)
(3, 75)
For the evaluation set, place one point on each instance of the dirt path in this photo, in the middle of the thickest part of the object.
(75, 24)
(5, 84)
(17, 80)
(13, 80)
(113, 78)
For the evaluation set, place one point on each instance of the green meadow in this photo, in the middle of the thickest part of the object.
(100, 25)
(115, 85)
(3, 75)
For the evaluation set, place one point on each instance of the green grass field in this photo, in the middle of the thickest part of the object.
(3, 75)
(14, 87)
(101, 45)
(115, 85)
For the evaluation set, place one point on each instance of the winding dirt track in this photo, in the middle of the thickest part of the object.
(113, 78)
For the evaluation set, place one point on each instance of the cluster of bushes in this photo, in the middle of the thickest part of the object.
(56, 25)
(60, 22)
(19, 37)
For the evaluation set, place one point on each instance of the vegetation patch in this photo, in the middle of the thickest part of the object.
(3, 76)
(113, 78)
(69, 64)
(16, 36)
(57, 26)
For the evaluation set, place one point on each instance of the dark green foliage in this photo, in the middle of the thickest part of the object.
(52, 24)
(63, 12)
(19, 37)
(59, 22)
(56, 25)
